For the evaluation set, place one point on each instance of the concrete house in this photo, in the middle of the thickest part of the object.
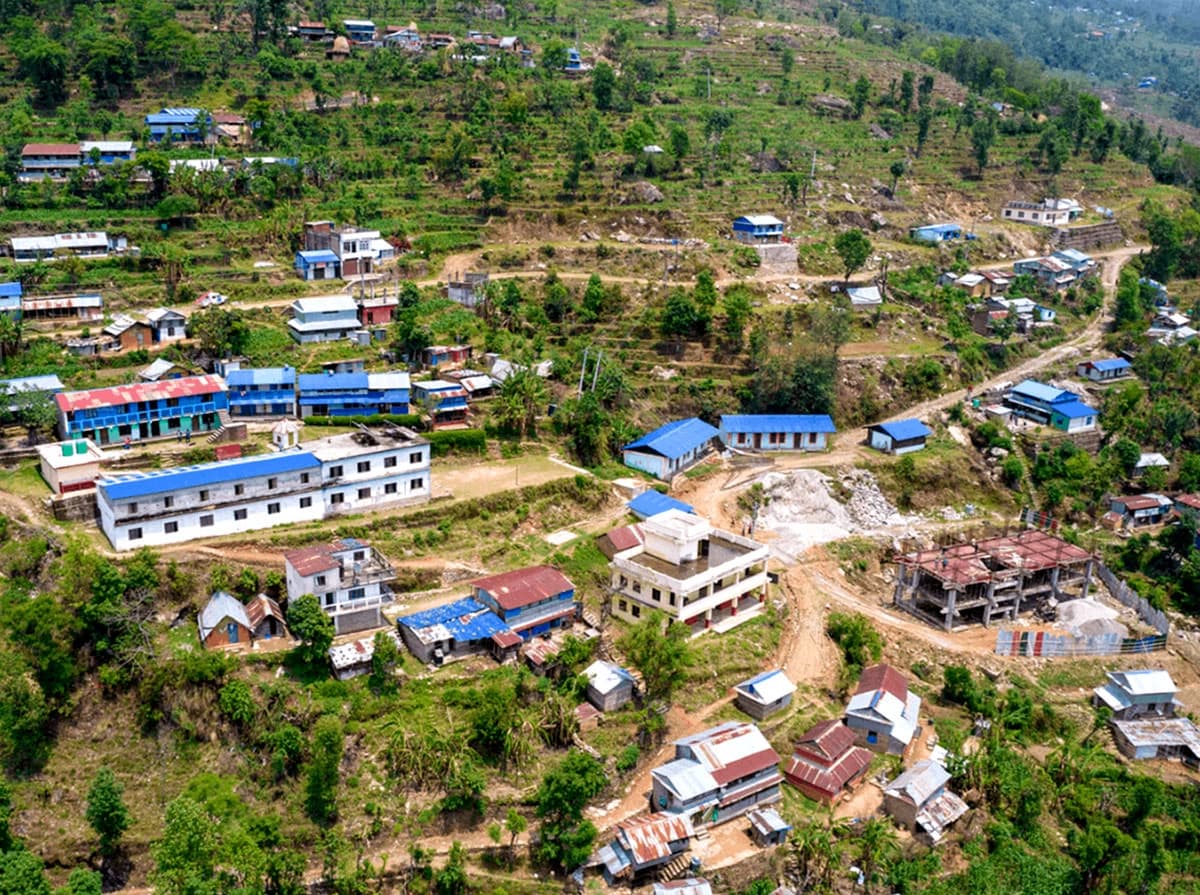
(27, 249)
(69, 466)
(1141, 509)
(758, 228)
(143, 410)
(530, 601)
(360, 31)
(223, 622)
(352, 394)
(318, 264)
(166, 325)
(1047, 213)
(919, 801)
(670, 449)
(883, 713)
(48, 161)
(178, 125)
(696, 574)
(317, 480)
(377, 310)
(717, 775)
(936, 233)
(467, 290)
(357, 251)
(764, 694)
(645, 844)
(1051, 406)
(1104, 370)
(445, 401)
(352, 581)
(1130, 695)
(326, 319)
(826, 763)
(262, 391)
(776, 431)
(454, 630)
(899, 437)
(609, 685)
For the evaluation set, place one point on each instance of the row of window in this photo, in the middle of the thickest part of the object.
(207, 520)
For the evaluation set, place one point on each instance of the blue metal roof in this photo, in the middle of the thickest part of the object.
(261, 376)
(141, 484)
(10, 289)
(1075, 409)
(465, 619)
(778, 422)
(1113, 363)
(318, 256)
(178, 115)
(332, 381)
(651, 503)
(674, 439)
(1039, 391)
(904, 430)
(939, 228)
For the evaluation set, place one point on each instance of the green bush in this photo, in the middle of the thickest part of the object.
(410, 420)
(466, 440)
(627, 759)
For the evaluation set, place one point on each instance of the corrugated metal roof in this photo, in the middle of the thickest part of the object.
(648, 838)
(161, 481)
(606, 676)
(328, 381)
(520, 587)
(651, 503)
(463, 620)
(760, 220)
(768, 687)
(883, 677)
(1074, 410)
(318, 256)
(50, 149)
(185, 387)
(920, 782)
(687, 779)
(1038, 391)
(731, 750)
(327, 304)
(157, 370)
(778, 422)
(316, 558)
(767, 821)
(904, 430)
(11, 290)
(262, 607)
(690, 886)
(220, 606)
(260, 376)
(627, 537)
(47, 383)
(1114, 363)
(675, 438)
(357, 652)
(1143, 682)
(392, 380)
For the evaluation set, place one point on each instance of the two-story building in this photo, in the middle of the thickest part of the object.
(919, 801)
(444, 401)
(758, 228)
(717, 775)
(360, 31)
(529, 601)
(262, 391)
(143, 410)
(166, 325)
(883, 713)
(826, 763)
(325, 319)
(350, 579)
(48, 161)
(693, 573)
(671, 448)
(1048, 405)
(377, 310)
(352, 394)
(178, 125)
(1143, 693)
(356, 250)
(317, 480)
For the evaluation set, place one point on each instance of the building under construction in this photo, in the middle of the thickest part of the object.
(1002, 577)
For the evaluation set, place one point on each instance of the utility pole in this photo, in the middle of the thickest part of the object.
(708, 80)
(583, 370)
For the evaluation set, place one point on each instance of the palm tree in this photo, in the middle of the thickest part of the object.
(818, 850)
(877, 847)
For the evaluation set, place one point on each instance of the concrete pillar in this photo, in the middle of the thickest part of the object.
(1087, 579)
(898, 595)
(991, 603)
(1016, 606)
(1054, 582)
(950, 612)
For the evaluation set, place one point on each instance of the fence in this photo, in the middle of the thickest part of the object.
(1058, 646)
(1122, 592)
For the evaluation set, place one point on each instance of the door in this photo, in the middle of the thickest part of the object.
(231, 632)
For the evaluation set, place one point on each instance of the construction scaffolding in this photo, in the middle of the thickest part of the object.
(995, 578)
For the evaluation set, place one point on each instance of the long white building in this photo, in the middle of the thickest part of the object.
(316, 480)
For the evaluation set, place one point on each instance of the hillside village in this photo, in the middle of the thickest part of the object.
(691, 450)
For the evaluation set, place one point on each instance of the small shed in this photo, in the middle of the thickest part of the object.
(223, 622)
(900, 437)
(764, 694)
(624, 538)
(609, 685)
(936, 232)
(70, 465)
(317, 264)
(354, 658)
(1150, 460)
(651, 503)
(1103, 370)
(267, 621)
(758, 228)
(767, 828)
(864, 298)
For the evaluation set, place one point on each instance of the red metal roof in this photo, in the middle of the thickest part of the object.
(139, 391)
(649, 837)
(627, 536)
(883, 677)
(260, 608)
(520, 587)
(50, 149)
(505, 639)
(1141, 502)
(1189, 500)
(828, 778)
(827, 740)
(311, 560)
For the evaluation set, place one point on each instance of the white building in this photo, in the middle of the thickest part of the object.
(168, 325)
(325, 319)
(352, 581)
(691, 571)
(337, 475)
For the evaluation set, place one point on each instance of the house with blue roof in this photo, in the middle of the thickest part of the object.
(352, 394)
(651, 503)
(1051, 406)
(10, 299)
(899, 437)
(936, 232)
(262, 391)
(1104, 370)
(776, 431)
(318, 264)
(758, 228)
(444, 401)
(178, 125)
(670, 449)
(455, 630)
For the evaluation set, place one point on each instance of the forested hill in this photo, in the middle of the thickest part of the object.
(1111, 43)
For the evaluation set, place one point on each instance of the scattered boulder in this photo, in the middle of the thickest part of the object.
(879, 133)
(824, 102)
(642, 193)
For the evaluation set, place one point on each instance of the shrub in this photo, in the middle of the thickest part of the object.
(627, 759)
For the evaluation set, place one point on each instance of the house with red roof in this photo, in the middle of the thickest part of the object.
(143, 410)
(882, 713)
(351, 580)
(530, 601)
(826, 764)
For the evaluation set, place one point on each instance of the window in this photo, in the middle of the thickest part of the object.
(133, 506)
(335, 472)
(414, 457)
(239, 489)
(624, 581)
(389, 488)
(329, 599)
(389, 462)
(305, 502)
(304, 478)
(320, 579)
(239, 514)
(416, 484)
(272, 508)
(636, 610)
(168, 502)
(872, 736)
(637, 587)
(337, 498)
(672, 598)
(206, 521)
(170, 527)
(357, 593)
(622, 606)
(364, 465)
(364, 493)
(135, 534)
(656, 595)
(360, 555)
(272, 483)
(204, 494)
